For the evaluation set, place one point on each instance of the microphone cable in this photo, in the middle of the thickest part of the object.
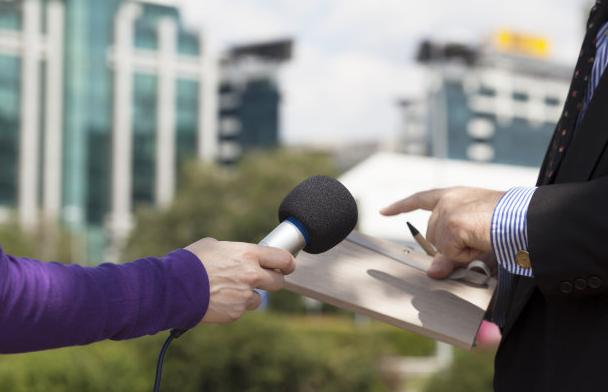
(174, 334)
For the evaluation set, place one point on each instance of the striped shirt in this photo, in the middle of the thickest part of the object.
(509, 228)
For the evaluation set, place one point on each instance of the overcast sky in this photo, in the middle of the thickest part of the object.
(354, 59)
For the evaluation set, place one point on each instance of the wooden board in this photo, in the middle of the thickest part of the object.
(370, 283)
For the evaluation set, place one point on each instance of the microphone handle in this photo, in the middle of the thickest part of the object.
(285, 236)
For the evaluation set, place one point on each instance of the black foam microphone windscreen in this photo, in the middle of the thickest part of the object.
(325, 208)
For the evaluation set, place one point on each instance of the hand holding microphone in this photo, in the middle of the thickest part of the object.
(315, 216)
(234, 270)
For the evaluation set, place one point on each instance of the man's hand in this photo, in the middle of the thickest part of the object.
(459, 226)
(235, 269)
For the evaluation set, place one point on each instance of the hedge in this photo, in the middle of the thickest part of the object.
(261, 352)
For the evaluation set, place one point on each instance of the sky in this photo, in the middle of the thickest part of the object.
(354, 59)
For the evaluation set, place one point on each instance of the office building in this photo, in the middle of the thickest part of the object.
(102, 101)
(250, 97)
(495, 103)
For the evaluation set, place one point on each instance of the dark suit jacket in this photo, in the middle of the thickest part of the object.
(556, 333)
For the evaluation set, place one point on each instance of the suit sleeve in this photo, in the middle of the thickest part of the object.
(568, 238)
(50, 305)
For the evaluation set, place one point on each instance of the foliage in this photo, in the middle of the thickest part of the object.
(239, 203)
(44, 242)
(471, 371)
(260, 352)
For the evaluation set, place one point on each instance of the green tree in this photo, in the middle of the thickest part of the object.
(259, 352)
(471, 371)
(44, 242)
(237, 203)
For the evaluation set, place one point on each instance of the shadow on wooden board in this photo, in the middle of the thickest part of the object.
(375, 281)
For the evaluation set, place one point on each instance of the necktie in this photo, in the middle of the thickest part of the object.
(575, 99)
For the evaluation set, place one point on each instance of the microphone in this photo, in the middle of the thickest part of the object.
(315, 216)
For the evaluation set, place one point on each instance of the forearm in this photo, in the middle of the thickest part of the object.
(48, 305)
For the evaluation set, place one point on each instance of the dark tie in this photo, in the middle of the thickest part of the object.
(574, 102)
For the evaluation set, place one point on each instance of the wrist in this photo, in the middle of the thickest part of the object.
(509, 234)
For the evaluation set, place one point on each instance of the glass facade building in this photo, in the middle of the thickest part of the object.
(486, 106)
(250, 97)
(100, 104)
(9, 128)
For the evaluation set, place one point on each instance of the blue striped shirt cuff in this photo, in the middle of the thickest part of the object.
(509, 228)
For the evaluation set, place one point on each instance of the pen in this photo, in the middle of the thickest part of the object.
(428, 248)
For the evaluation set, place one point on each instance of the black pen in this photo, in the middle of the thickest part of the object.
(428, 248)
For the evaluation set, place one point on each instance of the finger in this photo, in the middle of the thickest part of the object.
(426, 200)
(255, 301)
(275, 258)
(270, 280)
(431, 229)
(472, 254)
(441, 267)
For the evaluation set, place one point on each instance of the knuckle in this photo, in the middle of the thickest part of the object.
(280, 282)
(249, 276)
(450, 197)
(235, 314)
(247, 296)
(250, 255)
(289, 264)
(277, 283)
(453, 224)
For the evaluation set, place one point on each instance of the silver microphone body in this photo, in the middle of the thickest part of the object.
(285, 236)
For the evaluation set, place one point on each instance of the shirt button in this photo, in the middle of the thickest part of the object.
(566, 287)
(523, 259)
(595, 282)
(580, 284)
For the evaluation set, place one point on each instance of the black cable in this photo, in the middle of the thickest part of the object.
(174, 334)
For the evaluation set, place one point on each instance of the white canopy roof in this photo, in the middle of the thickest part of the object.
(387, 177)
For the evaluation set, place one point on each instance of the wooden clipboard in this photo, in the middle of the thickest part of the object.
(369, 281)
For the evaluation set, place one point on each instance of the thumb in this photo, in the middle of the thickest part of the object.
(441, 267)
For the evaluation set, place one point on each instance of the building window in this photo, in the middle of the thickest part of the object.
(187, 104)
(10, 15)
(144, 137)
(10, 95)
(519, 96)
(188, 44)
(486, 91)
(552, 101)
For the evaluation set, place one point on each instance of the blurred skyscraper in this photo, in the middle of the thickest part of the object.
(494, 103)
(101, 101)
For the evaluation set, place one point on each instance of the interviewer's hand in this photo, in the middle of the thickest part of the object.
(459, 225)
(234, 270)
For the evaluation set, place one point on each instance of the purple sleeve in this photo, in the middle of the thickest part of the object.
(49, 305)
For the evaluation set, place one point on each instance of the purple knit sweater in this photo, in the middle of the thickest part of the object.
(49, 305)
